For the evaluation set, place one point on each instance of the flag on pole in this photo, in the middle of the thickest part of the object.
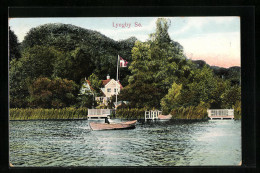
(123, 63)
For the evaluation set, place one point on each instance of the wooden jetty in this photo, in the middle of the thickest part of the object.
(152, 115)
(220, 114)
(99, 113)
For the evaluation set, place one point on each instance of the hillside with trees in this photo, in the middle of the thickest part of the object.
(61, 51)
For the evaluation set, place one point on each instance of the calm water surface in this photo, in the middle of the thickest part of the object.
(161, 143)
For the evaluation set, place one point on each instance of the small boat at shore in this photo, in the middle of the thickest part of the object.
(164, 117)
(113, 126)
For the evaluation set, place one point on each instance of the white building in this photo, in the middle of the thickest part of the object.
(109, 88)
(86, 88)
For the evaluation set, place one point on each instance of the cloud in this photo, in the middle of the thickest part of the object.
(222, 49)
(199, 22)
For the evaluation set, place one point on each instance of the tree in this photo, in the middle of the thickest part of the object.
(161, 36)
(75, 65)
(40, 95)
(155, 65)
(13, 46)
(56, 93)
(84, 51)
(231, 96)
(18, 82)
(218, 93)
(86, 101)
(141, 91)
(171, 100)
(200, 88)
(170, 64)
(63, 51)
(38, 61)
(96, 84)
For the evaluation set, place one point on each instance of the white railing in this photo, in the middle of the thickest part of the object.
(220, 112)
(99, 111)
(152, 115)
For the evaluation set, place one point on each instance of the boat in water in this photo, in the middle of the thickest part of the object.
(113, 126)
(164, 117)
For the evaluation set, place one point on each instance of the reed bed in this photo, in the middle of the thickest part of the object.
(237, 110)
(191, 112)
(130, 113)
(47, 114)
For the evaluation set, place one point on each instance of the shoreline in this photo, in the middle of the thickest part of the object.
(21, 114)
(138, 119)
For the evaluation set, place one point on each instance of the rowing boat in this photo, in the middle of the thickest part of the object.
(164, 117)
(113, 126)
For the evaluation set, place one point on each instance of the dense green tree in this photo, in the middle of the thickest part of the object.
(14, 50)
(75, 65)
(86, 101)
(84, 51)
(66, 37)
(38, 61)
(233, 74)
(170, 64)
(202, 86)
(156, 64)
(18, 83)
(56, 93)
(141, 91)
(65, 51)
(231, 96)
(161, 36)
(172, 99)
(95, 82)
(35, 62)
(218, 93)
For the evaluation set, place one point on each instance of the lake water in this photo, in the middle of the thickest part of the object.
(160, 143)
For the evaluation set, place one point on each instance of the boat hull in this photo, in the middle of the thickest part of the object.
(117, 126)
(164, 117)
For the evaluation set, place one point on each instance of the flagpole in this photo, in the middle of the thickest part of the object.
(116, 79)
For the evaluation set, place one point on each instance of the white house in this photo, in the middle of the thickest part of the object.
(86, 88)
(109, 88)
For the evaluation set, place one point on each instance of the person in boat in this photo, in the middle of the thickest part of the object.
(106, 120)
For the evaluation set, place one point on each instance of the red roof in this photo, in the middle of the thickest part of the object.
(104, 82)
(121, 87)
(89, 84)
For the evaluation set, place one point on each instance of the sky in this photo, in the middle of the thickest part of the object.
(215, 40)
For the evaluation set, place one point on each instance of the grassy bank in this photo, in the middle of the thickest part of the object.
(48, 114)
